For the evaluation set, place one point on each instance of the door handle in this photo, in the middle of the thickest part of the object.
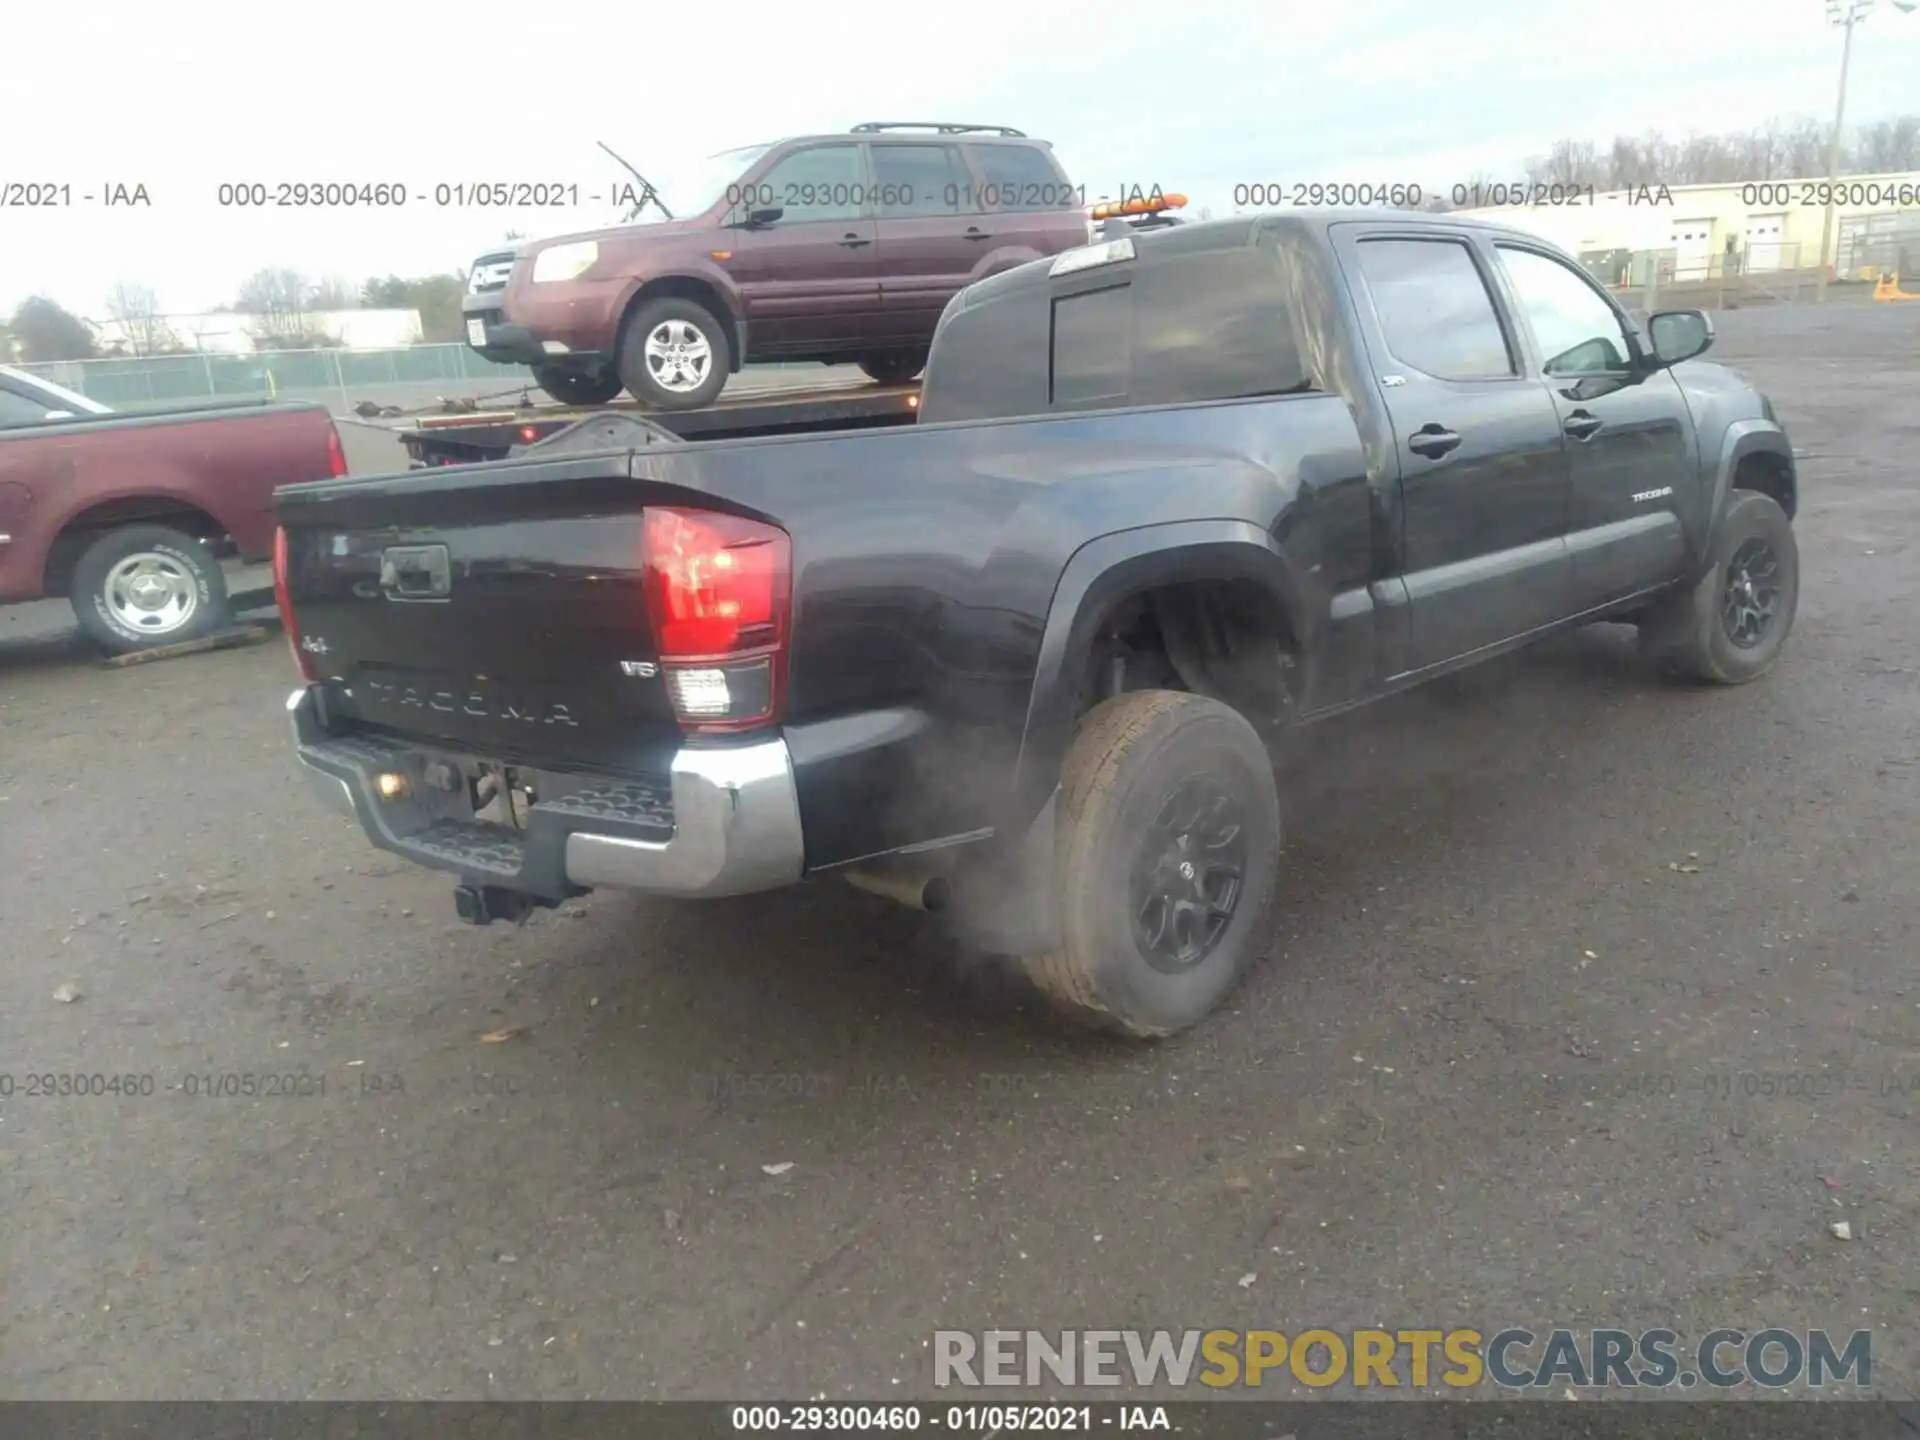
(853, 240)
(974, 232)
(1432, 441)
(1583, 426)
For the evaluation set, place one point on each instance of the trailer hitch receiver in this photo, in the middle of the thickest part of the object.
(483, 904)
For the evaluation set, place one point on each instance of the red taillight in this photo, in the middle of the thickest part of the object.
(719, 589)
(285, 602)
(336, 453)
(529, 434)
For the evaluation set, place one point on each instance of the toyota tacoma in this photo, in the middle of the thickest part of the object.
(1169, 498)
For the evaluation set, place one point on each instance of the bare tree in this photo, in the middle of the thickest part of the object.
(1759, 154)
(138, 310)
(334, 294)
(1803, 149)
(1569, 162)
(1889, 146)
(278, 304)
(1780, 150)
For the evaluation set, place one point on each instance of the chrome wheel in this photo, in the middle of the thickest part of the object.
(151, 594)
(679, 357)
(1752, 594)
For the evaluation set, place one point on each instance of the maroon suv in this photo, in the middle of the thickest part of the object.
(825, 247)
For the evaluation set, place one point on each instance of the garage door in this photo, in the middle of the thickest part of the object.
(1692, 242)
(1764, 234)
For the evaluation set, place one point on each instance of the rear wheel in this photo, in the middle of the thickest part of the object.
(1730, 627)
(674, 355)
(148, 585)
(1168, 846)
(571, 387)
(894, 369)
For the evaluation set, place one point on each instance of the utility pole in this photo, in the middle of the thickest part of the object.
(1846, 14)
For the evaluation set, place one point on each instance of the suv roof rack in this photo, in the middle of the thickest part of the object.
(939, 127)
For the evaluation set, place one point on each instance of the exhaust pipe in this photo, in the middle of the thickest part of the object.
(914, 889)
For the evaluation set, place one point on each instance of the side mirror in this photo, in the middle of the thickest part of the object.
(1679, 335)
(764, 215)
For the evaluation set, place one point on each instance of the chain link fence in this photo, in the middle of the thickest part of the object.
(1764, 273)
(406, 376)
(413, 374)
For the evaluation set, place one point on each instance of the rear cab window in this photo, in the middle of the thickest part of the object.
(1183, 323)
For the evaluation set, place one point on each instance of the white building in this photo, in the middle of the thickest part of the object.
(1765, 225)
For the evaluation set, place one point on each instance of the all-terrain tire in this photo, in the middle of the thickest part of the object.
(1132, 757)
(896, 368)
(672, 321)
(570, 387)
(143, 586)
(1691, 634)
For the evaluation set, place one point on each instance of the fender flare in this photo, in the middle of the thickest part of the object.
(1100, 575)
(1743, 438)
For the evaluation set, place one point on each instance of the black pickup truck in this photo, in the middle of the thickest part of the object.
(1168, 498)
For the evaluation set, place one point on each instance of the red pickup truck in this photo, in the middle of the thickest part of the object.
(130, 514)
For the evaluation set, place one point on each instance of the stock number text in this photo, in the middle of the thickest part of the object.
(311, 195)
(826, 1418)
(1834, 192)
(1264, 193)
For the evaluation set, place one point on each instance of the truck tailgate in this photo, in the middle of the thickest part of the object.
(501, 612)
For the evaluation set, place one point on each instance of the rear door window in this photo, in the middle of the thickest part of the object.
(1434, 308)
(914, 181)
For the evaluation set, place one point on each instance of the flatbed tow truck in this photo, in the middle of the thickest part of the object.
(492, 427)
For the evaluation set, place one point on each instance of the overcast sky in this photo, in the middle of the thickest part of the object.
(1196, 96)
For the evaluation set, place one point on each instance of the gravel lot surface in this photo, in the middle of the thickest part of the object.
(1556, 944)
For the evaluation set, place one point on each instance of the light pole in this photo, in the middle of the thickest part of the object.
(1847, 14)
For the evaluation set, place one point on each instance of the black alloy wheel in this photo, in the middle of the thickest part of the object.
(1752, 592)
(1188, 874)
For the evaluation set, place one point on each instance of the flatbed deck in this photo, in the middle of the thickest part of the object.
(752, 409)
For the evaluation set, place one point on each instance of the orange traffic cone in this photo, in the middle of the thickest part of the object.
(1888, 288)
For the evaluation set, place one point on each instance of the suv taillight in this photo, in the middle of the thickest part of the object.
(336, 453)
(719, 592)
(285, 602)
